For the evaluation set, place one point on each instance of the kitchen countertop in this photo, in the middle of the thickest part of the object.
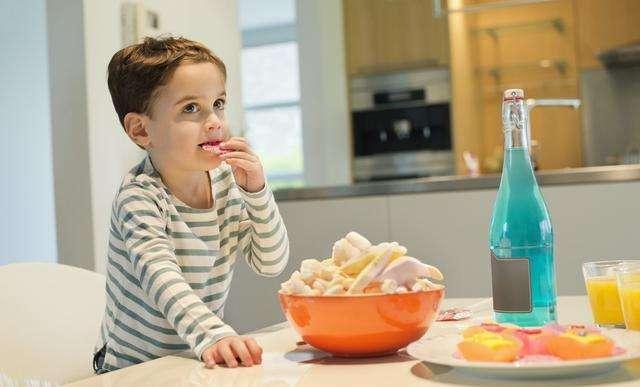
(285, 363)
(588, 175)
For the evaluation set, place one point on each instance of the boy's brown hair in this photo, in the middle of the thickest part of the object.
(136, 71)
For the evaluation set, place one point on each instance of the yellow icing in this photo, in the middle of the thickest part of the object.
(491, 340)
(589, 338)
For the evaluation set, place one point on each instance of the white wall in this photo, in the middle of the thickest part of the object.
(323, 93)
(27, 228)
(213, 23)
(72, 180)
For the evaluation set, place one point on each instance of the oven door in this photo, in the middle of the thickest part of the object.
(401, 142)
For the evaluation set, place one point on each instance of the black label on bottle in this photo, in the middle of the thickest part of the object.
(511, 285)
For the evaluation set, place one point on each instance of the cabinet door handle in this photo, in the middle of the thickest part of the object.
(437, 9)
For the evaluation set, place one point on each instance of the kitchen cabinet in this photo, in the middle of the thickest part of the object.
(605, 24)
(359, 33)
(388, 35)
(532, 47)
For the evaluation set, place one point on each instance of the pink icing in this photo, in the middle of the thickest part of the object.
(534, 348)
(618, 351)
(556, 328)
(213, 147)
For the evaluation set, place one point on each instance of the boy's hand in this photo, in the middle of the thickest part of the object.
(245, 164)
(230, 349)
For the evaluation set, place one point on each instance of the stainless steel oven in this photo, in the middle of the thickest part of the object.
(401, 132)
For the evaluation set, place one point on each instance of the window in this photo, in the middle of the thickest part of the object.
(271, 99)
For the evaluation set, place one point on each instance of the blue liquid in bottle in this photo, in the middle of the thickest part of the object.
(521, 231)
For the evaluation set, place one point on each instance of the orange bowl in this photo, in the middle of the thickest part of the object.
(362, 325)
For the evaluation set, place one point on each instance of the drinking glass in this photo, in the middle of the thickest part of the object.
(602, 289)
(628, 279)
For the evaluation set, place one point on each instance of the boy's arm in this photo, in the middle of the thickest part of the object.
(143, 228)
(263, 236)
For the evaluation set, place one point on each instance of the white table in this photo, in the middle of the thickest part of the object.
(287, 364)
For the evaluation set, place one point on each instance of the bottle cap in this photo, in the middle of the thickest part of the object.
(513, 95)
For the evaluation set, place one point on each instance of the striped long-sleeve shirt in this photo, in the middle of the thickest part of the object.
(170, 266)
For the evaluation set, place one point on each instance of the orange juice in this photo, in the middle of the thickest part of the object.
(630, 298)
(604, 300)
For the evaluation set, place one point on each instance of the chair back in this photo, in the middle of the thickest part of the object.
(50, 317)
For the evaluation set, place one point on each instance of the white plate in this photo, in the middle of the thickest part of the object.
(439, 347)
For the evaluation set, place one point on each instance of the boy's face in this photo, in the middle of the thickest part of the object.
(186, 120)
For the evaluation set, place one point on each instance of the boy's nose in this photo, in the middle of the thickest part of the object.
(213, 122)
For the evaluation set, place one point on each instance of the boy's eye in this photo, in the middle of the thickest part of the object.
(191, 108)
(219, 104)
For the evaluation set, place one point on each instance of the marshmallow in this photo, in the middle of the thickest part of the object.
(357, 240)
(371, 271)
(335, 289)
(344, 251)
(389, 286)
(405, 270)
(355, 264)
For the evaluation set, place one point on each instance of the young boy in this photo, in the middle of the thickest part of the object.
(182, 215)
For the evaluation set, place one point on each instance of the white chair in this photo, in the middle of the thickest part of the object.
(50, 318)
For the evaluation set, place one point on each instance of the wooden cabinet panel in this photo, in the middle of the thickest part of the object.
(359, 35)
(384, 35)
(604, 24)
(428, 37)
(532, 47)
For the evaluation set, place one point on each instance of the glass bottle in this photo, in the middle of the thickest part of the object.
(521, 235)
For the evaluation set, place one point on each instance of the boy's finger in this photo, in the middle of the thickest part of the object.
(227, 355)
(254, 349)
(217, 359)
(236, 140)
(209, 358)
(242, 164)
(240, 155)
(242, 352)
(236, 145)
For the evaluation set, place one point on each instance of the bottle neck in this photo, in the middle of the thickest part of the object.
(517, 160)
(518, 179)
(515, 124)
(516, 139)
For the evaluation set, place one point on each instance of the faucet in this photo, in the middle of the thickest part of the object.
(572, 102)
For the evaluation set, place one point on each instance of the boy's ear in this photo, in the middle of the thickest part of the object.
(135, 124)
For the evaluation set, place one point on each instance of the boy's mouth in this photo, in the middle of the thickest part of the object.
(211, 146)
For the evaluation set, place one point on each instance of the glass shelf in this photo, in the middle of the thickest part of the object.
(494, 31)
(491, 91)
(497, 71)
(439, 10)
